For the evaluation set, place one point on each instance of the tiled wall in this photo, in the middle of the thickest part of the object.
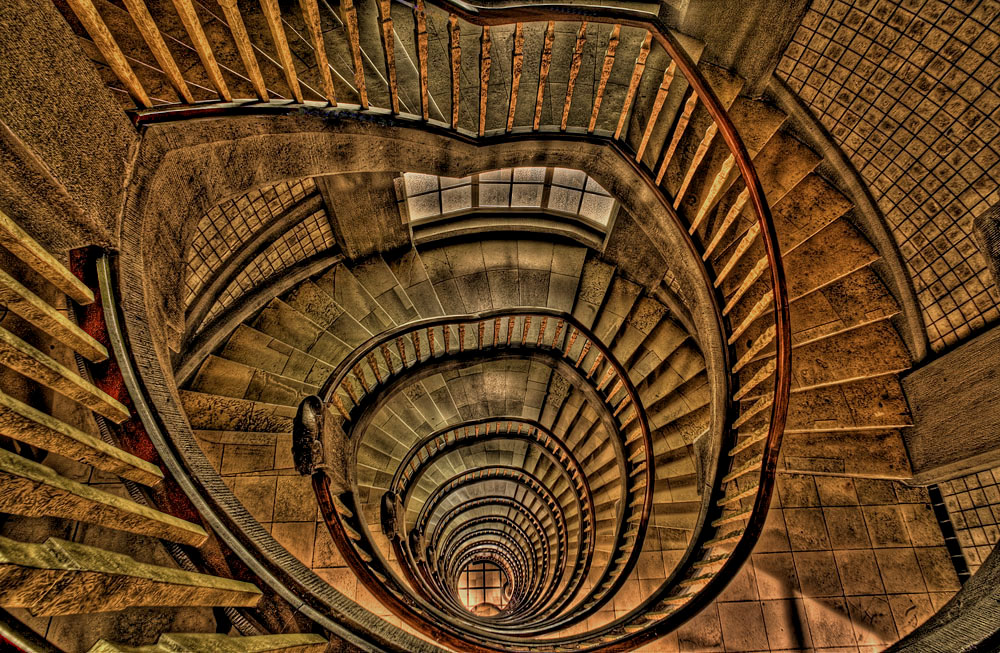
(229, 224)
(910, 90)
(973, 504)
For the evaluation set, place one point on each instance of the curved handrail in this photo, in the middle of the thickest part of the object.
(438, 444)
(350, 383)
(623, 634)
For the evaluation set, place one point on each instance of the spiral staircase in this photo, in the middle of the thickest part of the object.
(600, 417)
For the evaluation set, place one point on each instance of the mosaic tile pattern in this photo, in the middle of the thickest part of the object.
(910, 89)
(308, 237)
(973, 503)
(230, 224)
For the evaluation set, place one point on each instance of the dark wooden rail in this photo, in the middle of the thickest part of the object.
(745, 474)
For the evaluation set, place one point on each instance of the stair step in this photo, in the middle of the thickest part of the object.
(32, 363)
(750, 440)
(728, 500)
(31, 426)
(34, 490)
(217, 643)
(20, 244)
(38, 312)
(744, 469)
(732, 517)
(732, 536)
(710, 562)
(58, 577)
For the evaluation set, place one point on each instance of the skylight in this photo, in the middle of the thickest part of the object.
(554, 190)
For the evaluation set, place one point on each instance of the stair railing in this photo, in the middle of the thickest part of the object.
(753, 433)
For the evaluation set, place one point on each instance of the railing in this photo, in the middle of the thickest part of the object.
(453, 438)
(388, 360)
(760, 381)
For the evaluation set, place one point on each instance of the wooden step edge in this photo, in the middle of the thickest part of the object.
(58, 577)
(34, 490)
(32, 363)
(42, 315)
(27, 249)
(31, 426)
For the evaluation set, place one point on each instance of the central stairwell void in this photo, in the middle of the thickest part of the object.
(572, 373)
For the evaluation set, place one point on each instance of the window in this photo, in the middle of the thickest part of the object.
(479, 583)
(558, 190)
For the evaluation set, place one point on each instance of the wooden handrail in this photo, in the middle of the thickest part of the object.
(614, 636)
(342, 375)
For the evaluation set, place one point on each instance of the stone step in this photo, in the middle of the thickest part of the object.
(848, 301)
(646, 314)
(294, 328)
(618, 302)
(217, 643)
(257, 349)
(663, 340)
(37, 366)
(692, 145)
(345, 291)
(34, 490)
(595, 280)
(686, 399)
(408, 268)
(836, 452)
(679, 368)
(17, 241)
(781, 165)
(231, 379)
(39, 313)
(861, 352)
(58, 577)
(216, 413)
(756, 123)
(38, 429)
(382, 286)
(832, 253)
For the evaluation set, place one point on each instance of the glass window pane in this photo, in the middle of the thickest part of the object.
(456, 199)
(564, 199)
(494, 194)
(529, 175)
(594, 187)
(417, 184)
(567, 177)
(495, 175)
(597, 207)
(493, 596)
(423, 206)
(450, 182)
(525, 195)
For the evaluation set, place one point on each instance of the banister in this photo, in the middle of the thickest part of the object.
(779, 307)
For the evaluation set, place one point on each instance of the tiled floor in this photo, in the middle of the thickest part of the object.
(973, 503)
(843, 565)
